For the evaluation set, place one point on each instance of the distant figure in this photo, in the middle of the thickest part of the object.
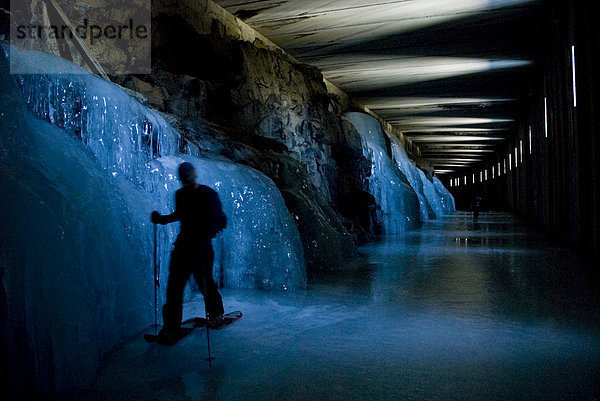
(198, 208)
(476, 207)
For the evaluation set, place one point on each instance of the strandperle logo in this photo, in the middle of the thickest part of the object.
(84, 31)
(106, 37)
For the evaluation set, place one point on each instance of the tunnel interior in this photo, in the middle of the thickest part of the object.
(474, 87)
(410, 191)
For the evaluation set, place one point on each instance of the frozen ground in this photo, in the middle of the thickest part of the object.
(454, 311)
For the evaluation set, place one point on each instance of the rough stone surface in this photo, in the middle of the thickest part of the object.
(354, 201)
(327, 243)
(258, 92)
(283, 112)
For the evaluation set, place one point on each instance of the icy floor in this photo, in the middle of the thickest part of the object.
(454, 311)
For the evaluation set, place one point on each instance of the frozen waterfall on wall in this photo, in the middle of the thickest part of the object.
(82, 166)
(411, 172)
(446, 197)
(136, 144)
(434, 199)
(435, 203)
(389, 186)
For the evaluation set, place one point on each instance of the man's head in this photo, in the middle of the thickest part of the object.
(187, 173)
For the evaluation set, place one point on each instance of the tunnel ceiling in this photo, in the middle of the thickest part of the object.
(451, 75)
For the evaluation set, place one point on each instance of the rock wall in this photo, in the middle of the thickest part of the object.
(271, 113)
(256, 92)
(326, 241)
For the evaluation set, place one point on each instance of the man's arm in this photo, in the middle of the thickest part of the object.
(158, 218)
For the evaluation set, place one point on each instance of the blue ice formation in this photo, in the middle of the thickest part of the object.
(436, 208)
(136, 144)
(448, 204)
(434, 199)
(82, 166)
(391, 189)
(411, 172)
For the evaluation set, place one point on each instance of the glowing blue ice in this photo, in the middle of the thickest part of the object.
(131, 141)
(436, 208)
(75, 236)
(448, 204)
(387, 183)
(434, 199)
(411, 172)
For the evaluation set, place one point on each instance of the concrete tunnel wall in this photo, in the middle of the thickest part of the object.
(556, 183)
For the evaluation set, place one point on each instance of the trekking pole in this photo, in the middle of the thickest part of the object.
(155, 279)
(210, 358)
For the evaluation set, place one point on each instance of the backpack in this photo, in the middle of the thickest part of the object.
(218, 219)
(220, 224)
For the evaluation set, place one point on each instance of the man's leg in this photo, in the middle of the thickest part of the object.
(178, 276)
(205, 281)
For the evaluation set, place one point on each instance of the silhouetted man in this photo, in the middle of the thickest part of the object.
(198, 208)
(476, 207)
